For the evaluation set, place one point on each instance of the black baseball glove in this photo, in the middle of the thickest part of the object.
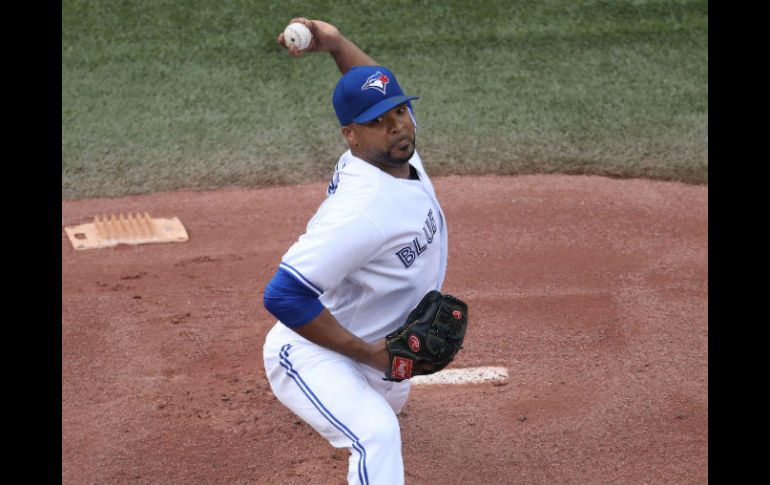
(430, 338)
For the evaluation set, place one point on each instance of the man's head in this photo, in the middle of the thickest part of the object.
(373, 112)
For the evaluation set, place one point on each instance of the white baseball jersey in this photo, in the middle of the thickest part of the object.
(373, 249)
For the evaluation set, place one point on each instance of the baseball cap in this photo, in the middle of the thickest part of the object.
(365, 92)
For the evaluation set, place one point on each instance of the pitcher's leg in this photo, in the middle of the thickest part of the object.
(329, 392)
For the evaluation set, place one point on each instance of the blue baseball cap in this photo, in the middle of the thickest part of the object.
(365, 92)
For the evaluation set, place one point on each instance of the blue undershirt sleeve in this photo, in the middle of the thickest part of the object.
(290, 301)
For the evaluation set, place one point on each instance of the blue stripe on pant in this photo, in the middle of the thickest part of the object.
(291, 372)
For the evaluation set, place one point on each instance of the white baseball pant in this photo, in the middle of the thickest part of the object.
(347, 402)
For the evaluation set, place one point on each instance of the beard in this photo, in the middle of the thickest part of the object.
(398, 154)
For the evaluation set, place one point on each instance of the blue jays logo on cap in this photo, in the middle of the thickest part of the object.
(365, 92)
(378, 81)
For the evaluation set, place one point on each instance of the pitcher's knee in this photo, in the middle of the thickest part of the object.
(382, 431)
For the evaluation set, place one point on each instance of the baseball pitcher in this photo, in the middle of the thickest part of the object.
(357, 296)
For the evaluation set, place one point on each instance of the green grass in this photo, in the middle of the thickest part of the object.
(161, 95)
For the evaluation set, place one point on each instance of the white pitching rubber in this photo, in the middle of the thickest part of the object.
(469, 375)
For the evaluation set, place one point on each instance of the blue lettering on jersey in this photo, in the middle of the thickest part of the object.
(409, 254)
(418, 248)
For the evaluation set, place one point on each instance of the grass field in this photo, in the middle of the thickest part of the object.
(162, 94)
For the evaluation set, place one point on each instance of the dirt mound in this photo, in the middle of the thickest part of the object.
(592, 292)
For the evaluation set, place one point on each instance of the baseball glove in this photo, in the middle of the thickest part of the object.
(429, 339)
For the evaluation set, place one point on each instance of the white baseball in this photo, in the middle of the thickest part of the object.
(298, 35)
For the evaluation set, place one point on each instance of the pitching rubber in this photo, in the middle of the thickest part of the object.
(468, 375)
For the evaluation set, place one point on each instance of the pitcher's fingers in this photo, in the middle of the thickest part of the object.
(293, 51)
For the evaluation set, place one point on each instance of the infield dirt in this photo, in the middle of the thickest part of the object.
(592, 292)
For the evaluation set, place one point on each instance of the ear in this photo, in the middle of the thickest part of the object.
(349, 135)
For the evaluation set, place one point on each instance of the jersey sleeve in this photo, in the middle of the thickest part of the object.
(290, 301)
(330, 250)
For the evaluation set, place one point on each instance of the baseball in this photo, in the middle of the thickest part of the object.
(298, 35)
